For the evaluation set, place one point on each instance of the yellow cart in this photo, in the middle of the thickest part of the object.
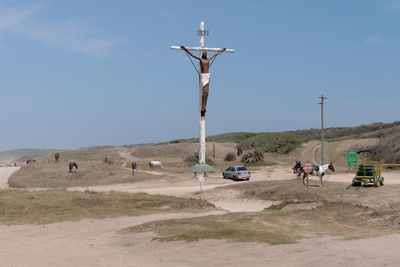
(369, 169)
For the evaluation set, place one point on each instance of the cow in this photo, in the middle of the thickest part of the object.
(155, 164)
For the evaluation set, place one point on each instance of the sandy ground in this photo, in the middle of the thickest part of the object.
(99, 242)
(5, 173)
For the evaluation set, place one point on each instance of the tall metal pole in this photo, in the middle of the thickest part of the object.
(322, 127)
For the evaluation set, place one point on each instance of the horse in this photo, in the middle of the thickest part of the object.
(317, 170)
(297, 168)
(56, 156)
(73, 166)
(155, 164)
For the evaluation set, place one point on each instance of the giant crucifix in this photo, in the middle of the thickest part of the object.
(204, 81)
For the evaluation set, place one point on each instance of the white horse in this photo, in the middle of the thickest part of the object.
(155, 164)
(318, 170)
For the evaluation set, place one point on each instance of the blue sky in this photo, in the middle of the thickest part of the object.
(87, 73)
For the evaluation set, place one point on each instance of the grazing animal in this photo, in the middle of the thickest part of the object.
(56, 156)
(297, 169)
(30, 160)
(155, 164)
(108, 160)
(318, 170)
(73, 166)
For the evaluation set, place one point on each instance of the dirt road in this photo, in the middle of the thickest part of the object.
(5, 173)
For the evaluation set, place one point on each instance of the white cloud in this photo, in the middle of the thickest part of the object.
(71, 35)
(374, 40)
(68, 37)
(11, 17)
(393, 6)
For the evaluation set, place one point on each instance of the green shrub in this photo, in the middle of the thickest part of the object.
(230, 156)
(193, 158)
(272, 142)
(252, 157)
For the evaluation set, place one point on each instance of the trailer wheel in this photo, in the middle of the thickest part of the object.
(355, 183)
(377, 182)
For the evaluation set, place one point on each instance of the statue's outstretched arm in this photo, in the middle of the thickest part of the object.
(189, 53)
(216, 54)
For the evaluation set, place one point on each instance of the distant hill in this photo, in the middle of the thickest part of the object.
(284, 142)
(20, 155)
(331, 133)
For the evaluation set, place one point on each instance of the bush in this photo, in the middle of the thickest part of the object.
(389, 147)
(253, 156)
(272, 142)
(193, 158)
(230, 156)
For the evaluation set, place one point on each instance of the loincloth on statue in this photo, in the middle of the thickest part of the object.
(204, 79)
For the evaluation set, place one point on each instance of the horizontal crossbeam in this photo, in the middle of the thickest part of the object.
(202, 49)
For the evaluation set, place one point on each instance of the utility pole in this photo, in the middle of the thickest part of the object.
(322, 127)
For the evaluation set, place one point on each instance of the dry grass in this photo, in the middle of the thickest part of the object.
(172, 155)
(92, 170)
(333, 210)
(48, 206)
(271, 226)
(291, 190)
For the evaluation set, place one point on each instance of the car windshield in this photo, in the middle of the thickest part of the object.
(241, 169)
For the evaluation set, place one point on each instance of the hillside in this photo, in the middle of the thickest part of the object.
(284, 142)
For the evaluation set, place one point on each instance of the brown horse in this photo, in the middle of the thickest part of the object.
(56, 156)
(297, 169)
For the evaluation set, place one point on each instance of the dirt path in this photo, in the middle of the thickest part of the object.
(82, 243)
(124, 153)
(5, 173)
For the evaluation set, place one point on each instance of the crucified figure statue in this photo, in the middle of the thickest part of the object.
(204, 74)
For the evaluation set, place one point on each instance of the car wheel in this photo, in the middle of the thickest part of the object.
(235, 178)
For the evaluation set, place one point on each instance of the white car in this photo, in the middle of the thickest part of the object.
(237, 173)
